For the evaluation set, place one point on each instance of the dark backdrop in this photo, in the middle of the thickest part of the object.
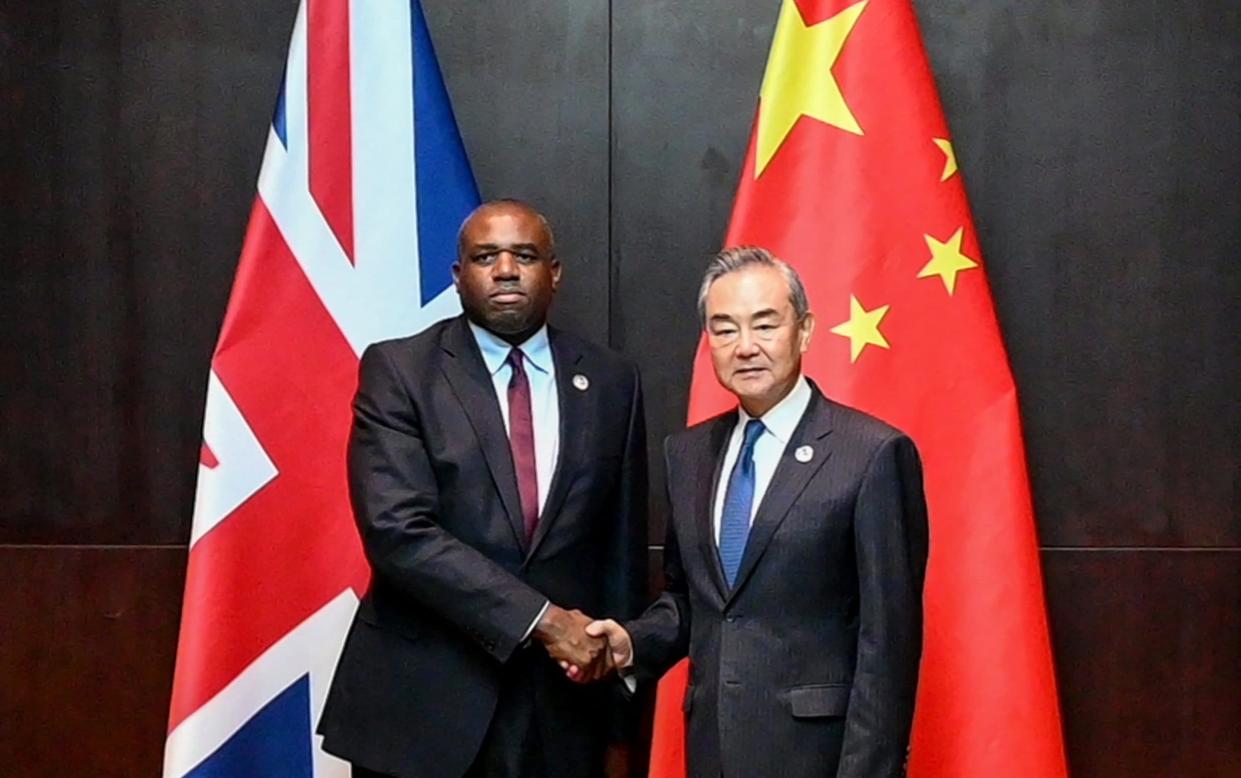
(1101, 143)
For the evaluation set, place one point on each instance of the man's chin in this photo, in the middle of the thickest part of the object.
(758, 382)
(751, 391)
(508, 322)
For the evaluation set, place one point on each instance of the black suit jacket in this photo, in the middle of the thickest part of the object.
(454, 584)
(808, 666)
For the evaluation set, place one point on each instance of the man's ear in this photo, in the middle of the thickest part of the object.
(456, 274)
(806, 330)
(556, 270)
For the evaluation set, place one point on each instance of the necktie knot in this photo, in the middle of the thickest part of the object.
(516, 361)
(753, 431)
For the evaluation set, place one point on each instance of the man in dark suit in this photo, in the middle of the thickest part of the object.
(795, 557)
(498, 477)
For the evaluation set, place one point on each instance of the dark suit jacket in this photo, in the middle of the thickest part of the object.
(809, 664)
(454, 586)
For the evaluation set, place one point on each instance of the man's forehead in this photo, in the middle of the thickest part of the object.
(506, 219)
(748, 291)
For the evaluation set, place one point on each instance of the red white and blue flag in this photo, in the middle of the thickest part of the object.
(351, 240)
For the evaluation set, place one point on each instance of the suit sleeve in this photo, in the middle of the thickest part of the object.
(661, 634)
(625, 574)
(890, 542)
(395, 503)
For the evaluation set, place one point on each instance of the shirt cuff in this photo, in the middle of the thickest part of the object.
(629, 678)
(535, 623)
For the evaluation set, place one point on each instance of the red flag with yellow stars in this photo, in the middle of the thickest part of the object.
(851, 178)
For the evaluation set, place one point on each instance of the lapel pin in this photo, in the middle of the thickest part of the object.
(803, 454)
(581, 382)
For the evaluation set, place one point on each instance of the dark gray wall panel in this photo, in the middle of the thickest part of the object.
(129, 148)
(529, 82)
(685, 88)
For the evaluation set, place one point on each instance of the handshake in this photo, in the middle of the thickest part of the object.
(586, 650)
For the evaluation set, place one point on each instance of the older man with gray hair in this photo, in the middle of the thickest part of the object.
(795, 556)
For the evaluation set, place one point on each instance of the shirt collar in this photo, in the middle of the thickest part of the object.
(784, 416)
(537, 348)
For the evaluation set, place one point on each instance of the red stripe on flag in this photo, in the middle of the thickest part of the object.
(207, 458)
(329, 116)
(292, 546)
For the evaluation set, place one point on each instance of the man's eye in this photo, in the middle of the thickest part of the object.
(484, 259)
(528, 259)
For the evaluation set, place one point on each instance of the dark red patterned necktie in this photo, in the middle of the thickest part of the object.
(521, 440)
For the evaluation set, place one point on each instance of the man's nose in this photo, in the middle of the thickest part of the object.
(505, 265)
(747, 345)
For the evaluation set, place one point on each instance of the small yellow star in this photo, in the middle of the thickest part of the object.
(946, 260)
(862, 328)
(950, 162)
(799, 80)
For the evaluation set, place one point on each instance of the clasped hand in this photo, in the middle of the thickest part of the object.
(586, 650)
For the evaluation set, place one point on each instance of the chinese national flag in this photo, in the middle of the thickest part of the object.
(851, 178)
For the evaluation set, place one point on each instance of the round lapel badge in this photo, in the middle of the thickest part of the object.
(581, 382)
(803, 454)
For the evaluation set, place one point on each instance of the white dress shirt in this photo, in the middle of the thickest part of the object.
(544, 404)
(778, 423)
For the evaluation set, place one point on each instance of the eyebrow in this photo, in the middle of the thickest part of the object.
(765, 313)
(527, 247)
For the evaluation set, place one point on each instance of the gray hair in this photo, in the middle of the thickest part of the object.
(740, 257)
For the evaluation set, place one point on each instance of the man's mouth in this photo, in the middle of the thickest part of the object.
(507, 297)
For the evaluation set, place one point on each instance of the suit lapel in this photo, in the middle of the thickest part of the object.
(789, 481)
(575, 430)
(707, 478)
(467, 375)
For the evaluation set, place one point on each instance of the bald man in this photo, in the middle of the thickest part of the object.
(497, 470)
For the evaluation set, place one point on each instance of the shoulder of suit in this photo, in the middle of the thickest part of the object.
(695, 435)
(862, 425)
(416, 344)
(595, 354)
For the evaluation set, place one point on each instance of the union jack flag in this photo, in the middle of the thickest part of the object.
(351, 239)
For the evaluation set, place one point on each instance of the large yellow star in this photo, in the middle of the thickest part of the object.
(862, 328)
(950, 163)
(946, 260)
(799, 80)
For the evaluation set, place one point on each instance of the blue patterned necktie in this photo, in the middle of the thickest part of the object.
(738, 500)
